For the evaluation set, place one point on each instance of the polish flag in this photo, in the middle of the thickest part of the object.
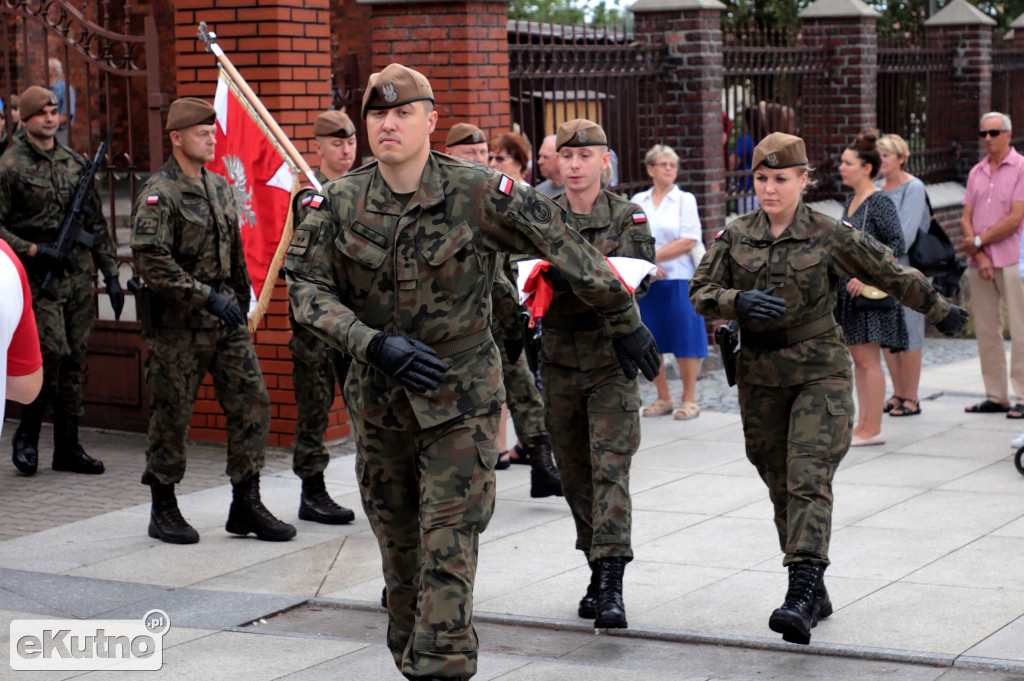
(260, 179)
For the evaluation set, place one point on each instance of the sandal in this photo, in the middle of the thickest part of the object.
(894, 402)
(519, 455)
(1016, 411)
(659, 408)
(988, 407)
(913, 409)
(686, 411)
(503, 461)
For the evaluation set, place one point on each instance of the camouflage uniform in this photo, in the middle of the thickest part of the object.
(796, 398)
(592, 409)
(187, 244)
(312, 380)
(361, 263)
(36, 189)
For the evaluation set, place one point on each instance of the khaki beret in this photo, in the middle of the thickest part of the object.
(33, 100)
(394, 86)
(779, 150)
(188, 111)
(465, 133)
(580, 132)
(333, 124)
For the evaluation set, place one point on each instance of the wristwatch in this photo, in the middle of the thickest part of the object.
(977, 241)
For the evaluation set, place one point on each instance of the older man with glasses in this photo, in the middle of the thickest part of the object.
(991, 226)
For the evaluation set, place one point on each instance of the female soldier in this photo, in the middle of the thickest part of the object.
(777, 270)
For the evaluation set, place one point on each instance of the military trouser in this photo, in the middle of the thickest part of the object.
(177, 362)
(64, 326)
(522, 397)
(593, 419)
(428, 495)
(313, 382)
(795, 437)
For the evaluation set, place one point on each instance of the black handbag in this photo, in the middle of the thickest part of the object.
(932, 252)
(865, 304)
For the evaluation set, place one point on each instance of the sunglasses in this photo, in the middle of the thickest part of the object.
(990, 133)
(498, 157)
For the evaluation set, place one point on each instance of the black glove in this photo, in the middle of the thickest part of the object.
(413, 364)
(954, 322)
(513, 347)
(760, 304)
(638, 350)
(557, 279)
(219, 305)
(49, 258)
(116, 294)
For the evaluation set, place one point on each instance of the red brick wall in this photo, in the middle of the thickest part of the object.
(282, 49)
(462, 47)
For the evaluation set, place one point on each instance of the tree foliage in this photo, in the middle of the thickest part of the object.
(570, 12)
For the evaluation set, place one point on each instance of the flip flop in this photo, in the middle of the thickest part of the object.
(988, 407)
(913, 409)
(503, 461)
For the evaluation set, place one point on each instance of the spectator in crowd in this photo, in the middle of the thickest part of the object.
(726, 134)
(547, 163)
(468, 142)
(666, 309)
(753, 131)
(991, 235)
(38, 179)
(65, 99)
(793, 370)
(508, 153)
(866, 327)
(21, 362)
(591, 406)
(911, 201)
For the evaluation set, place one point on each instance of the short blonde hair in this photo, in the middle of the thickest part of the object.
(660, 151)
(894, 144)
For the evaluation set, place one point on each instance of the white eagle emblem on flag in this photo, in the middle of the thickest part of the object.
(240, 190)
(389, 93)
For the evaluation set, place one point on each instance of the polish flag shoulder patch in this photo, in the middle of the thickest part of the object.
(316, 201)
(506, 185)
(152, 199)
(639, 218)
(848, 224)
(720, 233)
(306, 200)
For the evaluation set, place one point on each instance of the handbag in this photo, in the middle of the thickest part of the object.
(872, 299)
(932, 252)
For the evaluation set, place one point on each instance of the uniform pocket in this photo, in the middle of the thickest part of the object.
(749, 258)
(440, 250)
(615, 421)
(361, 250)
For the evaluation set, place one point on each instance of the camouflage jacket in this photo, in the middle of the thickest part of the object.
(572, 335)
(304, 196)
(36, 189)
(362, 263)
(187, 244)
(806, 263)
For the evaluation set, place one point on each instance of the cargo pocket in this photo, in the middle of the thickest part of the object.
(615, 421)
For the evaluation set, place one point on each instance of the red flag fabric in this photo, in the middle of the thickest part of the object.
(260, 179)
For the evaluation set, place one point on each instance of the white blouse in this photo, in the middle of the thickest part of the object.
(676, 218)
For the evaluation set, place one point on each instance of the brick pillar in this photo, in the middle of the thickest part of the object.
(460, 46)
(282, 49)
(964, 29)
(842, 103)
(686, 108)
(1016, 112)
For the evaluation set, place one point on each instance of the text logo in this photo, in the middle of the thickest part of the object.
(87, 645)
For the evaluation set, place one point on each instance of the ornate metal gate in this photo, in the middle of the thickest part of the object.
(114, 75)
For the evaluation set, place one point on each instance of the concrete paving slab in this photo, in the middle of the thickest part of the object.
(955, 512)
(701, 493)
(708, 426)
(68, 597)
(749, 543)
(204, 609)
(889, 554)
(856, 502)
(1011, 529)
(300, 573)
(1005, 644)
(999, 477)
(985, 563)
(550, 671)
(910, 470)
(688, 456)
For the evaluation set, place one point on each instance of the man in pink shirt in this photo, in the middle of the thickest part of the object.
(991, 224)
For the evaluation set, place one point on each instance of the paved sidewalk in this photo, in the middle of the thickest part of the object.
(927, 546)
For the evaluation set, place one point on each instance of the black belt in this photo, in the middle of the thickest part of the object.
(774, 340)
(450, 348)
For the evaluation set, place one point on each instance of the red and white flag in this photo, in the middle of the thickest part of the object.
(259, 177)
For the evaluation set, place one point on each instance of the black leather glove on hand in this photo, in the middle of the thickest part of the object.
(116, 294)
(557, 279)
(49, 258)
(219, 305)
(759, 304)
(638, 350)
(954, 322)
(413, 364)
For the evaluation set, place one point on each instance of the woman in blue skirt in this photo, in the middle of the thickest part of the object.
(666, 309)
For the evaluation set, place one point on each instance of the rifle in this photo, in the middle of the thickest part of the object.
(71, 231)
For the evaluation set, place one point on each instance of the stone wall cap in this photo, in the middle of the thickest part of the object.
(671, 5)
(960, 13)
(823, 9)
(410, 2)
(1018, 22)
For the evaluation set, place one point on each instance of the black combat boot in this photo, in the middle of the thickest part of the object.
(806, 602)
(611, 612)
(316, 504)
(165, 521)
(588, 604)
(26, 439)
(248, 514)
(544, 478)
(68, 454)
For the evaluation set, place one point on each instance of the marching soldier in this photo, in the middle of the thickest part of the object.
(38, 180)
(394, 265)
(313, 372)
(188, 249)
